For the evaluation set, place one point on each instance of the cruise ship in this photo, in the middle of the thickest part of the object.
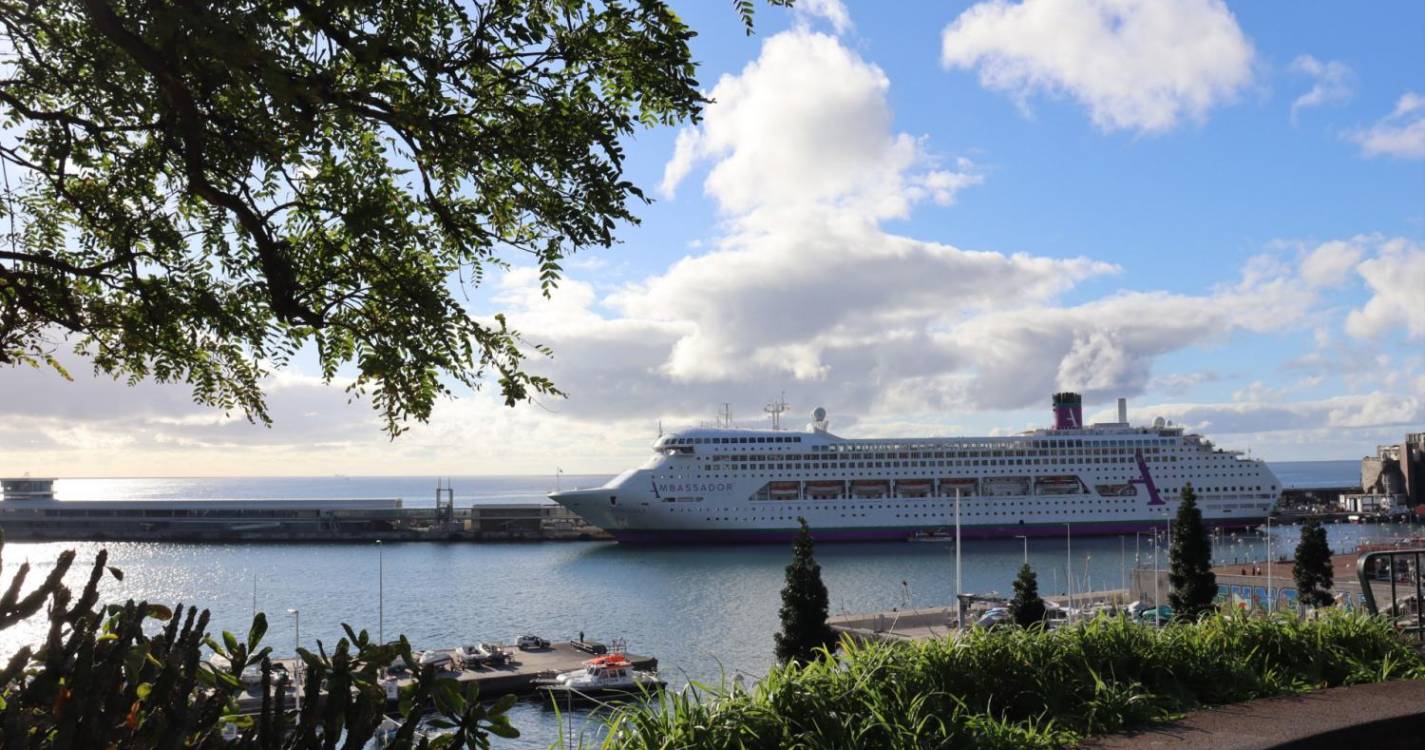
(720, 484)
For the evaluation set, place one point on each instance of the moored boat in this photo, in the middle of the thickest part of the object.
(603, 678)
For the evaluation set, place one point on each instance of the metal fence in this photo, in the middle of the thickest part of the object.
(1402, 568)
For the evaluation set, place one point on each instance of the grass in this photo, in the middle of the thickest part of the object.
(1013, 688)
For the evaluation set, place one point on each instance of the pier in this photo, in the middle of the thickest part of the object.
(516, 676)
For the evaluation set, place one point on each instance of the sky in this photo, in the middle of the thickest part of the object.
(926, 218)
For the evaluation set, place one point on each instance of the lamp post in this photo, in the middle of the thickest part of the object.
(1157, 602)
(1271, 600)
(1088, 577)
(296, 629)
(296, 644)
(380, 593)
(959, 592)
(1025, 537)
(1069, 568)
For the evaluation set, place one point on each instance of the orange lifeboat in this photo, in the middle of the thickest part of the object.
(785, 490)
(870, 488)
(913, 487)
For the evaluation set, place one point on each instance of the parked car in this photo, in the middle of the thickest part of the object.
(1153, 615)
(530, 642)
(994, 617)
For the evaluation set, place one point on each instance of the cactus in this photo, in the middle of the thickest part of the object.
(103, 680)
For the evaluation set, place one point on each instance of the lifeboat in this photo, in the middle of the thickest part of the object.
(967, 487)
(825, 489)
(1116, 490)
(870, 488)
(1063, 484)
(998, 486)
(785, 490)
(913, 487)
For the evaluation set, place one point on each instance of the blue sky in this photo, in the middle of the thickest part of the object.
(927, 216)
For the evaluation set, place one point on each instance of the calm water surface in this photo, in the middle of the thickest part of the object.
(707, 613)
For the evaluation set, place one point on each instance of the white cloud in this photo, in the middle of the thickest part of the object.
(1268, 414)
(1332, 83)
(1396, 279)
(1331, 263)
(1135, 64)
(831, 11)
(1400, 134)
(807, 127)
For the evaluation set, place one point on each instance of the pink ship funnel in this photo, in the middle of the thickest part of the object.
(1068, 411)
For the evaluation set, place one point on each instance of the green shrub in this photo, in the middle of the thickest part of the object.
(132, 677)
(1014, 688)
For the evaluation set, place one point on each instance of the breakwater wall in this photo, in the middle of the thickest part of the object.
(264, 521)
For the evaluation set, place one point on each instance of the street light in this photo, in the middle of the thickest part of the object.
(1025, 537)
(297, 643)
(959, 590)
(1069, 567)
(1271, 601)
(380, 593)
(296, 629)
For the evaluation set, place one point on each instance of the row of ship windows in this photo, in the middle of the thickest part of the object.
(727, 440)
(1097, 452)
(941, 512)
(925, 464)
(861, 448)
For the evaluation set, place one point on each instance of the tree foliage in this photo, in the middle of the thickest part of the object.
(804, 605)
(194, 192)
(1312, 567)
(1026, 607)
(1194, 585)
(132, 677)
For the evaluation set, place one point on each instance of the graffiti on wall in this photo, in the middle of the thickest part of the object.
(1247, 598)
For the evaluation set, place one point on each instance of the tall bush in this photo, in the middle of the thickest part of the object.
(1194, 584)
(804, 605)
(1312, 568)
(1026, 607)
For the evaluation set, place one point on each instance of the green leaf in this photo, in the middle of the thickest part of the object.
(256, 633)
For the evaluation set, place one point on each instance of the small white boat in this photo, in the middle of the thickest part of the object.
(610, 677)
(470, 655)
(443, 661)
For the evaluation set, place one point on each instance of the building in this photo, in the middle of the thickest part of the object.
(27, 489)
(1397, 469)
(1369, 503)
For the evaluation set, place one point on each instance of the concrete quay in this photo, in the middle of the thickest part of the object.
(516, 676)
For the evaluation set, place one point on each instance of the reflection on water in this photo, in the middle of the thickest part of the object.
(705, 612)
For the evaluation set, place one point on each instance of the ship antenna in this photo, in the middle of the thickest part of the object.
(775, 409)
(726, 416)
